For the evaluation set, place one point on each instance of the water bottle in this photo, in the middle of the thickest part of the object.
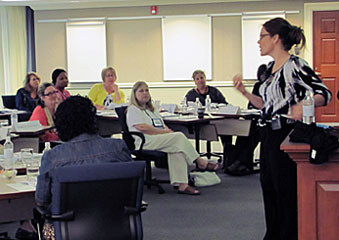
(9, 161)
(197, 105)
(208, 103)
(14, 118)
(47, 147)
(184, 105)
(308, 108)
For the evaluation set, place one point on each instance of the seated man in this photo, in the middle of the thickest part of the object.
(75, 121)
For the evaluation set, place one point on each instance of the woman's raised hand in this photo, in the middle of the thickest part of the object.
(237, 82)
(115, 87)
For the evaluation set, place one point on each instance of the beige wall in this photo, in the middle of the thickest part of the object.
(134, 46)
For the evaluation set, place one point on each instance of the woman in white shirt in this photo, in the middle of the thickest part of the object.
(141, 117)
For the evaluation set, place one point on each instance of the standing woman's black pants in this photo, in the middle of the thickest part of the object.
(278, 177)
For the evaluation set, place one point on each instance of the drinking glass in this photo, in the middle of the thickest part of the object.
(9, 173)
(32, 164)
(157, 105)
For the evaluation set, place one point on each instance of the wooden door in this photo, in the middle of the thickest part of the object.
(326, 59)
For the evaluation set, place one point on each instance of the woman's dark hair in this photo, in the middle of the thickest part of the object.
(56, 73)
(288, 34)
(74, 116)
(41, 92)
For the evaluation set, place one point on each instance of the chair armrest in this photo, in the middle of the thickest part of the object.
(142, 136)
(42, 213)
(133, 210)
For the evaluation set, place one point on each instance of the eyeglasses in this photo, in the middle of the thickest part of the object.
(261, 36)
(50, 93)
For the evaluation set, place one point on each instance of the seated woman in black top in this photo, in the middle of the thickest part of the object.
(27, 97)
(202, 90)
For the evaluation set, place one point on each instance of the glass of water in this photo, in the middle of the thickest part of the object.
(32, 164)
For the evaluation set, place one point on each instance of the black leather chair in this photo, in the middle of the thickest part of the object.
(98, 201)
(159, 158)
(9, 101)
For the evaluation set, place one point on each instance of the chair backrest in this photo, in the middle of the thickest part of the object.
(98, 195)
(9, 101)
(128, 138)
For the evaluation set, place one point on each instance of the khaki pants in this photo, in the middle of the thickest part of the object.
(180, 153)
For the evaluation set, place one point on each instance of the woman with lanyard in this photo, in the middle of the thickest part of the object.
(142, 117)
(287, 79)
(103, 94)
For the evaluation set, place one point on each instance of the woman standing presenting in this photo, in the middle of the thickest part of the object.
(103, 94)
(141, 117)
(287, 79)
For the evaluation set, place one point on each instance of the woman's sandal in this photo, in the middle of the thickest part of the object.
(210, 167)
(189, 190)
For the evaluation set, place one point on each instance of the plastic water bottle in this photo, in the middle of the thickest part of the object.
(47, 147)
(9, 161)
(197, 105)
(208, 103)
(184, 105)
(14, 118)
(308, 108)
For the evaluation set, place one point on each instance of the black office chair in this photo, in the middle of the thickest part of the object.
(98, 201)
(9, 101)
(159, 158)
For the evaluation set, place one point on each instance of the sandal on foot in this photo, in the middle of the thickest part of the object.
(189, 190)
(210, 167)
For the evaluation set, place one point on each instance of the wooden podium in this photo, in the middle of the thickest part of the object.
(318, 193)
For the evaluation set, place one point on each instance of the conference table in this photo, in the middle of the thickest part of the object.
(207, 128)
(16, 199)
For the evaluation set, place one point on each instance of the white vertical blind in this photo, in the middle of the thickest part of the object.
(86, 50)
(186, 47)
(251, 59)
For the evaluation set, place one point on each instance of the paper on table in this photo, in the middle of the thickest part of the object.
(251, 111)
(28, 126)
(22, 186)
(3, 132)
(229, 109)
(168, 114)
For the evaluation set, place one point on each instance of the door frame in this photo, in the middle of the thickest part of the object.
(309, 8)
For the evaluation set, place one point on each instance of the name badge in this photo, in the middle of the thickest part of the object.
(157, 123)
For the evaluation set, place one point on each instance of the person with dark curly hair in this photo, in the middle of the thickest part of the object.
(75, 121)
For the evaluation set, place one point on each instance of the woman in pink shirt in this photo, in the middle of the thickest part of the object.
(60, 81)
(45, 110)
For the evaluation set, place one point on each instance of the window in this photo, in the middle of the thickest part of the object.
(186, 47)
(86, 50)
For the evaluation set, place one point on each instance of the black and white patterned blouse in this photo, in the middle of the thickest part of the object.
(288, 85)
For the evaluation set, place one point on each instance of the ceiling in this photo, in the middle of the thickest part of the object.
(74, 4)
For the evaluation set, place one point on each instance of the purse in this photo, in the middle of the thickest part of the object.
(205, 179)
